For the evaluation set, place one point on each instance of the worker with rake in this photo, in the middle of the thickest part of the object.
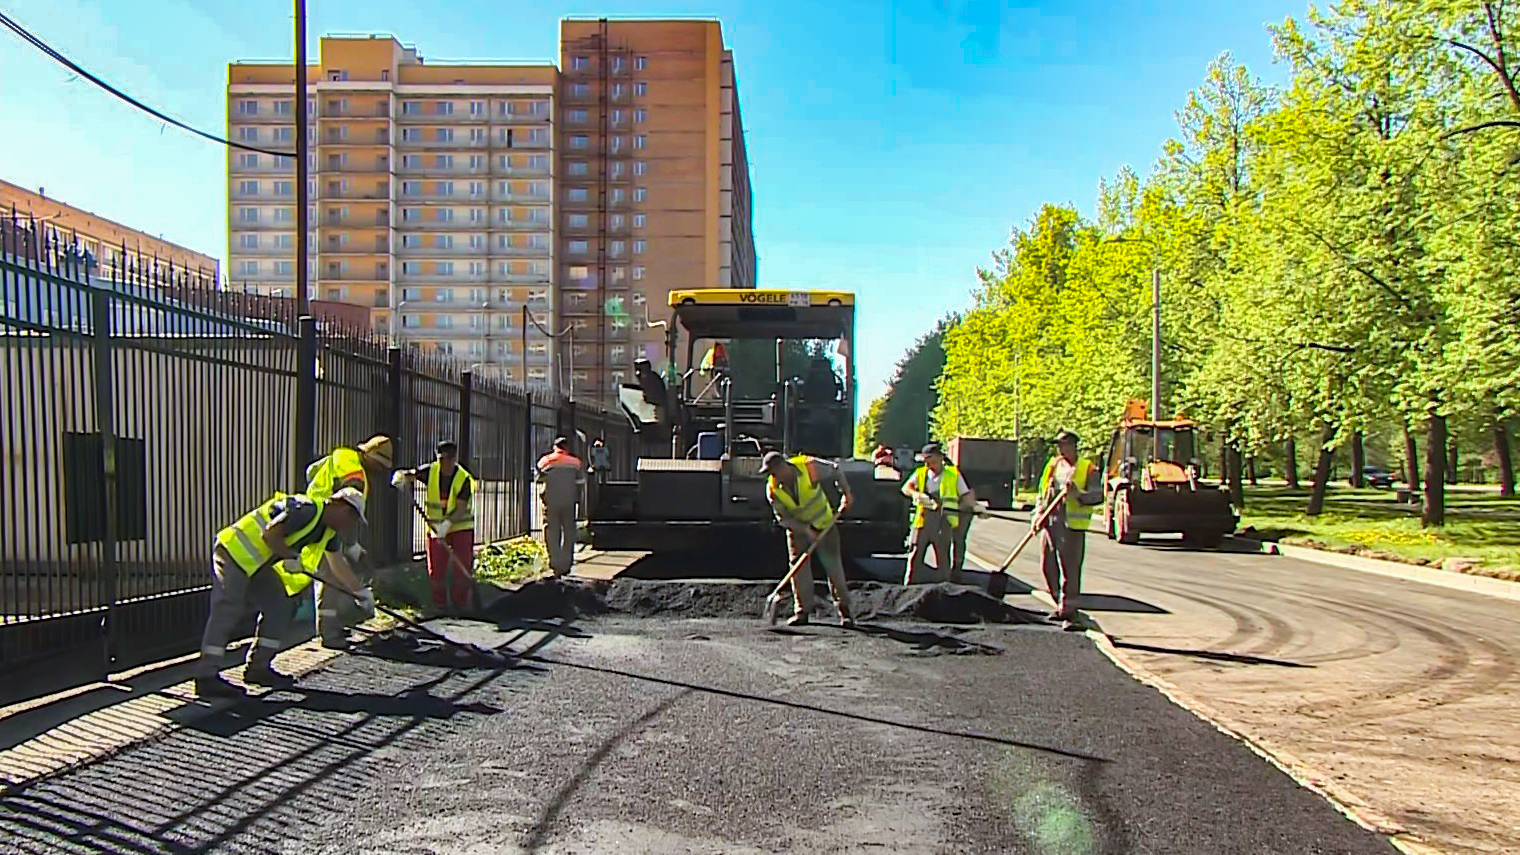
(450, 517)
(795, 490)
(345, 467)
(1069, 488)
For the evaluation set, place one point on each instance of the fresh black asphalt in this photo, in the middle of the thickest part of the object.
(651, 735)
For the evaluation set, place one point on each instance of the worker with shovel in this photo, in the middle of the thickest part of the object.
(1069, 489)
(450, 517)
(247, 571)
(345, 467)
(942, 503)
(795, 490)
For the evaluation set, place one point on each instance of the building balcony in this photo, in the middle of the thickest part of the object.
(379, 169)
(325, 194)
(263, 251)
(434, 171)
(356, 111)
(353, 249)
(264, 225)
(465, 280)
(355, 139)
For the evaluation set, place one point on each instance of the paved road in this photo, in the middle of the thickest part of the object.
(656, 736)
(1405, 696)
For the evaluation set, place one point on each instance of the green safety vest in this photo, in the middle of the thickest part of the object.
(243, 541)
(343, 468)
(811, 505)
(439, 508)
(1078, 515)
(949, 492)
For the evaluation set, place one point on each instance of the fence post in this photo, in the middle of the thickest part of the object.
(306, 398)
(105, 422)
(524, 472)
(466, 405)
(394, 509)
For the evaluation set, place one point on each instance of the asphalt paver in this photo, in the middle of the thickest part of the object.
(649, 735)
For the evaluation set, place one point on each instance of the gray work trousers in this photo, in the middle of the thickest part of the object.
(233, 592)
(958, 537)
(559, 537)
(828, 554)
(938, 533)
(1061, 553)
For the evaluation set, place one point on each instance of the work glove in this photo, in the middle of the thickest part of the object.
(924, 500)
(400, 479)
(442, 529)
(365, 599)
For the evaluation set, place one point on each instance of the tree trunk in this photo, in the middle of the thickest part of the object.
(1452, 461)
(1506, 463)
(1224, 461)
(1433, 513)
(1290, 462)
(1321, 472)
(1237, 489)
(1411, 460)
(1251, 470)
(1358, 460)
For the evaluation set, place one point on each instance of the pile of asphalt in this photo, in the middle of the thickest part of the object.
(548, 599)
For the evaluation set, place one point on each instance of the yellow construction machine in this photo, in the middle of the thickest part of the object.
(1151, 483)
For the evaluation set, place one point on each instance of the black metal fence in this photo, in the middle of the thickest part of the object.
(145, 411)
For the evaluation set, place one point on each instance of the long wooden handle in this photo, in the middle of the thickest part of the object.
(802, 559)
(1034, 527)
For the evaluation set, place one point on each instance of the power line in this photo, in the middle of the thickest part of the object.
(74, 67)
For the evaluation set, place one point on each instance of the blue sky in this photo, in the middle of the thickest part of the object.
(892, 145)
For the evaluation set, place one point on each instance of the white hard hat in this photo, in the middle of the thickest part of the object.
(354, 498)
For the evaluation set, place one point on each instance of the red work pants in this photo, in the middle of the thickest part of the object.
(450, 586)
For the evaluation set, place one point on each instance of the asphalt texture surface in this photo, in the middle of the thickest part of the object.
(714, 735)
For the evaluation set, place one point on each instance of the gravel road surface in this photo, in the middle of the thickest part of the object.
(716, 735)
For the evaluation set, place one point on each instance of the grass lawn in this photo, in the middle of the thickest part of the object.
(1480, 526)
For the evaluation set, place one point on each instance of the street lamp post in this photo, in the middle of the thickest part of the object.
(1155, 326)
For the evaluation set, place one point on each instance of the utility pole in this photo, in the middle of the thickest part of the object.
(1156, 343)
(306, 327)
(303, 196)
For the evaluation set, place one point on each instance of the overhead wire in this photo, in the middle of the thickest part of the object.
(45, 48)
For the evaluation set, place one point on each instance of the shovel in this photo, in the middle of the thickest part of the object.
(773, 602)
(1034, 528)
(495, 657)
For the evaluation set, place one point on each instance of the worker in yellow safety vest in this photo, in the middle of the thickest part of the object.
(247, 571)
(942, 503)
(345, 467)
(1076, 484)
(795, 490)
(448, 502)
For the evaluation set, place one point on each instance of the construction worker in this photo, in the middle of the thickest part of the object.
(936, 487)
(795, 490)
(345, 467)
(247, 566)
(560, 475)
(601, 459)
(449, 510)
(1077, 485)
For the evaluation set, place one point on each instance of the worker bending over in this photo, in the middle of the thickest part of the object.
(795, 490)
(1075, 483)
(561, 475)
(345, 467)
(937, 489)
(448, 506)
(247, 572)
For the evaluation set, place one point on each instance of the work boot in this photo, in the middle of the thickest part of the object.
(266, 676)
(798, 620)
(216, 687)
(339, 643)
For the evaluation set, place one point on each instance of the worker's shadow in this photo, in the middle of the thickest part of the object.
(233, 719)
(928, 640)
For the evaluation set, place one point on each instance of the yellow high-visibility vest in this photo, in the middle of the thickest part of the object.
(1078, 516)
(343, 468)
(811, 505)
(949, 492)
(439, 507)
(244, 542)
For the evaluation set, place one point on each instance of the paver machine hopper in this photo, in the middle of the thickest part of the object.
(1151, 483)
(698, 485)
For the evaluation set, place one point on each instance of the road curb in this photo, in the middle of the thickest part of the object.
(1484, 585)
(1301, 773)
(113, 728)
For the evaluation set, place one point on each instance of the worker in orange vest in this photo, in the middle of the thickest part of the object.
(561, 476)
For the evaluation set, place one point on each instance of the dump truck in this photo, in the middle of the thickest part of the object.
(698, 486)
(988, 465)
(1152, 484)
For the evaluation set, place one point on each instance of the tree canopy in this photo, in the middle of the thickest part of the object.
(901, 416)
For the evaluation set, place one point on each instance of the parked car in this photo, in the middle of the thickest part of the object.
(1375, 477)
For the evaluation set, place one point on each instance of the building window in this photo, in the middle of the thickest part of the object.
(444, 108)
(641, 63)
(411, 215)
(617, 195)
(411, 242)
(443, 241)
(445, 215)
(640, 116)
(578, 167)
(638, 247)
(248, 215)
(477, 189)
(579, 63)
(248, 188)
(444, 135)
(618, 143)
(617, 168)
(445, 188)
(575, 194)
(617, 117)
(576, 117)
(638, 271)
(579, 247)
(248, 268)
(410, 322)
(411, 161)
(477, 241)
(248, 161)
(617, 221)
(248, 241)
(411, 188)
(477, 108)
(283, 134)
(444, 161)
(640, 89)
(248, 134)
(477, 162)
(638, 221)
(580, 90)
(640, 194)
(579, 141)
(577, 221)
(617, 247)
(477, 135)
(411, 108)
(411, 135)
(640, 167)
(579, 273)
(538, 162)
(284, 268)
(249, 108)
(410, 268)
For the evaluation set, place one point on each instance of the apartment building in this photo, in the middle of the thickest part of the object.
(448, 197)
(112, 247)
